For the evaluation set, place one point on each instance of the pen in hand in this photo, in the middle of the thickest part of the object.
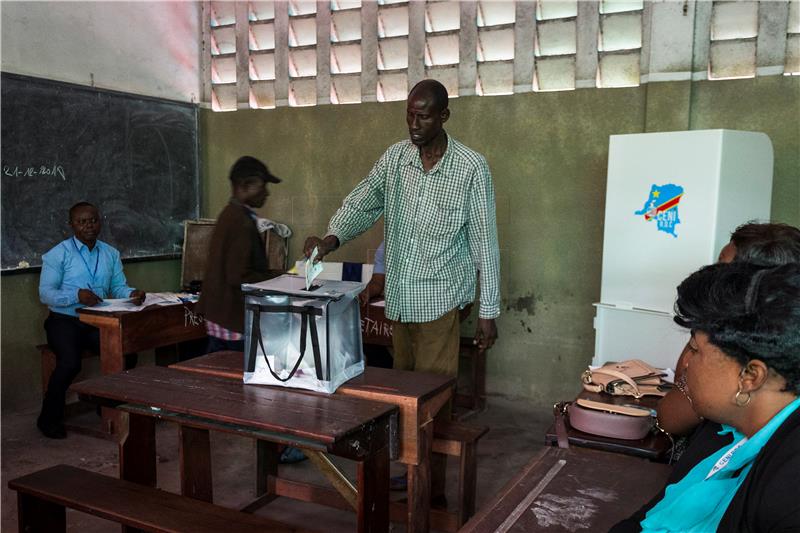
(88, 298)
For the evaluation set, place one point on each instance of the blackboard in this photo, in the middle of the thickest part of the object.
(134, 157)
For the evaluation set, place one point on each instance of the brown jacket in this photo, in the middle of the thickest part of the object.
(236, 255)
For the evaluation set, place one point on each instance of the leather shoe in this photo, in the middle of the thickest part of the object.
(52, 431)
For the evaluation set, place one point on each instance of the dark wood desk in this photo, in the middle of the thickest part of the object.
(353, 428)
(655, 446)
(419, 397)
(571, 490)
(124, 332)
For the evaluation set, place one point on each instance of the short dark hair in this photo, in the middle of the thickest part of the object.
(247, 168)
(749, 312)
(766, 244)
(78, 206)
(436, 90)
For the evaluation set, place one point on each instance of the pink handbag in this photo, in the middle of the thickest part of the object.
(627, 378)
(610, 420)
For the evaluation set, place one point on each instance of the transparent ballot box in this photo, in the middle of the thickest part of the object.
(307, 339)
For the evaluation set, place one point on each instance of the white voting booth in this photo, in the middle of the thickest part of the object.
(672, 201)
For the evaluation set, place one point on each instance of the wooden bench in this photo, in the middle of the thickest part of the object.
(49, 362)
(44, 496)
(461, 440)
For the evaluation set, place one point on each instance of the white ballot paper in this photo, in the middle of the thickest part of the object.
(124, 304)
(312, 269)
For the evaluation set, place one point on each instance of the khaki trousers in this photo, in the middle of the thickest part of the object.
(430, 347)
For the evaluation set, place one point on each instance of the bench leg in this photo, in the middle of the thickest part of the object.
(373, 493)
(195, 461)
(38, 516)
(467, 482)
(266, 467)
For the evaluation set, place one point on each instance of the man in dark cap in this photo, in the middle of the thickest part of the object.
(236, 255)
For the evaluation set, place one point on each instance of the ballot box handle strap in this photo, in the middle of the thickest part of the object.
(307, 322)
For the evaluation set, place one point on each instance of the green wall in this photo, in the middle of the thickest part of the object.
(548, 154)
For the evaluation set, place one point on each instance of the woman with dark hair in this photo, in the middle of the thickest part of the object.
(743, 371)
(762, 244)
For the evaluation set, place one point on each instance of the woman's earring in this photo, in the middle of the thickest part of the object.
(742, 398)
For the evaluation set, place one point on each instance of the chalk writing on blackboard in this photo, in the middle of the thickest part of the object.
(51, 169)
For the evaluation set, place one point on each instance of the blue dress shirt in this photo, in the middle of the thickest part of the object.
(70, 266)
(380, 265)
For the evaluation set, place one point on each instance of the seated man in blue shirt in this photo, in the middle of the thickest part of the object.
(77, 272)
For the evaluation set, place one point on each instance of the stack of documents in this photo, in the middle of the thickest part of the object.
(124, 304)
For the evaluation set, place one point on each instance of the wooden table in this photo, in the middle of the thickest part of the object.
(655, 446)
(349, 427)
(571, 490)
(419, 397)
(124, 332)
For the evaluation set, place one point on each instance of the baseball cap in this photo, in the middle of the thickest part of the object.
(247, 166)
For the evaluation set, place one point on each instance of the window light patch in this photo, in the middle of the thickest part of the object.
(495, 45)
(223, 41)
(734, 20)
(556, 9)
(494, 13)
(556, 37)
(223, 98)
(223, 70)
(619, 69)
(346, 89)
(618, 6)
(262, 36)
(554, 74)
(442, 16)
(340, 5)
(302, 63)
(392, 86)
(447, 76)
(302, 93)
(495, 78)
(222, 13)
(262, 66)
(346, 58)
(345, 26)
(441, 49)
(792, 62)
(261, 11)
(620, 32)
(732, 59)
(393, 53)
(391, 2)
(302, 31)
(262, 95)
(393, 21)
(794, 17)
(300, 8)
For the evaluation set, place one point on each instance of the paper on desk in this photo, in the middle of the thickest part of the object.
(312, 269)
(125, 304)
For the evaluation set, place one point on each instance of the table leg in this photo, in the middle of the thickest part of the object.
(419, 484)
(137, 449)
(195, 461)
(373, 493)
(112, 361)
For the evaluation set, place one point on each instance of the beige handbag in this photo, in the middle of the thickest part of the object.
(627, 378)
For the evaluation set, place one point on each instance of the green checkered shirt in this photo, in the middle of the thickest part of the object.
(440, 230)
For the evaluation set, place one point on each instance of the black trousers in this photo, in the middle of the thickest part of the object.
(68, 337)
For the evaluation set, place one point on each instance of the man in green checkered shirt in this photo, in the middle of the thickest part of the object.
(437, 199)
